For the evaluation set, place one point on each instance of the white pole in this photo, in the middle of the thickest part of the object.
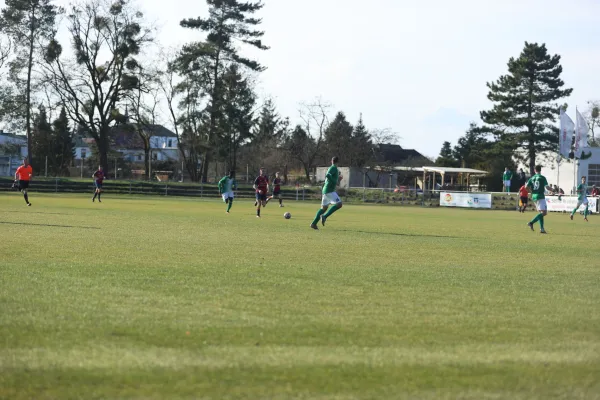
(81, 166)
(46, 169)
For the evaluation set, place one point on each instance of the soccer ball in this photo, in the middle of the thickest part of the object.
(287, 215)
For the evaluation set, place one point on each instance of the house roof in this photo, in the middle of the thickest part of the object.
(449, 170)
(13, 135)
(394, 153)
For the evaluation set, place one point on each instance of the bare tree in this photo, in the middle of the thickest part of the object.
(306, 142)
(593, 119)
(106, 37)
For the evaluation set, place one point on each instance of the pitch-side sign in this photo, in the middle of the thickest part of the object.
(568, 203)
(470, 200)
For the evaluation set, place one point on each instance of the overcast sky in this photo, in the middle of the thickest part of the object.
(419, 67)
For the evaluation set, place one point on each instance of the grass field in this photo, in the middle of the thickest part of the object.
(154, 298)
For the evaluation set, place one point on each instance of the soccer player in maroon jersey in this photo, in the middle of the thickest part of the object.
(98, 179)
(276, 190)
(261, 185)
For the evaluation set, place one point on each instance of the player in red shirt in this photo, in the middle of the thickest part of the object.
(261, 185)
(523, 197)
(276, 190)
(23, 175)
(98, 179)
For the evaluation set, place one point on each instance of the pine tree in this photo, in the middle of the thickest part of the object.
(446, 158)
(236, 120)
(228, 22)
(338, 139)
(361, 145)
(42, 141)
(64, 149)
(525, 108)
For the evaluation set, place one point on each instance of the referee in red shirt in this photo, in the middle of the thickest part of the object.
(23, 175)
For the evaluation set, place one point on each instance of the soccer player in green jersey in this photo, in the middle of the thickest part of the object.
(581, 199)
(332, 178)
(226, 186)
(506, 177)
(537, 184)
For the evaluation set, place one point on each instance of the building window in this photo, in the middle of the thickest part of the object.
(83, 153)
(139, 158)
(593, 177)
(170, 143)
(154, 156)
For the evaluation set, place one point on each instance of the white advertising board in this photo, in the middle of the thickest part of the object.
(470, 200)
(568, 203)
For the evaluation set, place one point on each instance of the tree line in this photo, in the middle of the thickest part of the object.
(205, 92)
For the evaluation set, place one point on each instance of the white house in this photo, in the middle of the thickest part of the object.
(163, 144)
(13, 148)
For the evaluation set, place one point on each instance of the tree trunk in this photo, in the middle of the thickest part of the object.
(147, 161)
(102, 144)
(28, 88)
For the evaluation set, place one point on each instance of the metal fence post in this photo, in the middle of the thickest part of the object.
(129, 187)
(166, 189)
(303, 191)
(55, 185)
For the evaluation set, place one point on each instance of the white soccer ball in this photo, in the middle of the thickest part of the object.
(287, 215)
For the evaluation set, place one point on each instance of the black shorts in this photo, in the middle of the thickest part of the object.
(276, 194)
(523, 200)
(23, 185)
(261, 197)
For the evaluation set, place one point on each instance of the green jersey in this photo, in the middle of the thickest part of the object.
(331, 179)
(507, 176)
(226, 184)
(582, 191)
(537, 184)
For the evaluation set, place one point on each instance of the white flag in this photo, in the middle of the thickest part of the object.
(567, 128)
(581, 135)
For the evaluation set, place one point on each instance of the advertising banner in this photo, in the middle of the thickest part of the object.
(470, 200)
(568, 203)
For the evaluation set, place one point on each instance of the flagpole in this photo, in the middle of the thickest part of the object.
(574, 188)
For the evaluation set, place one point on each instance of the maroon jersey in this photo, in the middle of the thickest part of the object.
(261, 183)
(276, 185)
(99, 176)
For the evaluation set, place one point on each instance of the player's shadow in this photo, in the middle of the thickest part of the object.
(402, 234)
(50, 225)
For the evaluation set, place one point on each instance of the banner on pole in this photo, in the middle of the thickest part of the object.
(581, 135)
(470, 200)
(567, 129)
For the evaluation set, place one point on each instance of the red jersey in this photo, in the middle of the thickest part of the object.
(276, 185)
(99, 176)
(261, 182)
(24, 173)
(523, 191)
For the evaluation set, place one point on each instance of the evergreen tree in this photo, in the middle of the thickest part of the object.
(303, 149)
(361, 145)
(64, 148)
(236, 119)
(42, 141)
(228, 22)
(446, 158)
(28, 23)
(338, 138)
(471, 149)
(525, 108)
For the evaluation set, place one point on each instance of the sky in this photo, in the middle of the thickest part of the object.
(418, 68)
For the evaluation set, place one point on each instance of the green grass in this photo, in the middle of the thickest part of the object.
(154, 298)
